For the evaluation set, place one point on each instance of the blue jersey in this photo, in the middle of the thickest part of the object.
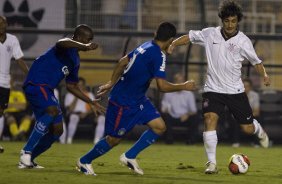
(52, 67)
(146, 62)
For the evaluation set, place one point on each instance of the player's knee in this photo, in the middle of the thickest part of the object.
(248, 129)
(113, 141)
(210, 120)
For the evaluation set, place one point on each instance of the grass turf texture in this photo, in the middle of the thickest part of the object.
(161, 163)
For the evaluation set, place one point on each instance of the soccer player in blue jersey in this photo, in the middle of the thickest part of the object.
(47, 71)
(128, 104)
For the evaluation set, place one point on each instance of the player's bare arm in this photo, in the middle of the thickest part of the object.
(70, 43)
(22, 65)
(182, 40)
(261, 70)
(76, 91)
(118, 71)
(165, 86)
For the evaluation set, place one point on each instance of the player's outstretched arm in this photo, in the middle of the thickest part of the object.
(165, 86)
(22, 65)
(69, 43)
(118, 71)
(182, 40)
(261, 70)
(76, 91)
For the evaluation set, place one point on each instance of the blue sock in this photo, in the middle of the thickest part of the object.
(39, 130)
(44, 144)
(147, 138)
(99, 149)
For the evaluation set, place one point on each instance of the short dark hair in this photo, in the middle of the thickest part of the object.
(165, 31)
(230, 8)
(82, 29)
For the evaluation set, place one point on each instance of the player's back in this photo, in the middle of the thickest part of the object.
(146, 62)
(53, 66)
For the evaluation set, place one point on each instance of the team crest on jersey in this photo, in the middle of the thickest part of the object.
(9, 49)
(231, 47)
(40, 126)
(121, 131)
(65, 70)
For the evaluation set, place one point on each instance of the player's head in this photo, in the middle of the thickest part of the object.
(248, 85)
(165, 33)
(3, 25)
(83, 33)
(231, 14)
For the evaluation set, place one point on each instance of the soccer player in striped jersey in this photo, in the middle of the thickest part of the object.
(9, 48)
(128, 104)
(226, 47)
(47, 71)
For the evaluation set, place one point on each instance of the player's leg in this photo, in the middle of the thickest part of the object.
(241, 109)
(72, 126)
(45, 108)
(157, 128)
(148, 115)
(213, 105)
(113, 117)
(100, 128)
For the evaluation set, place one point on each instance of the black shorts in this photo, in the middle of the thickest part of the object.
(4, 97)
(238, 105)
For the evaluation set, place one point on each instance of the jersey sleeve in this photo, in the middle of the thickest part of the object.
(17, 51)
(73, 76)
(199, 36)
(159, 64)
(249, 52)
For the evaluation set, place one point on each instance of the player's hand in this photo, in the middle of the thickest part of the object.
(97, 108)
(170, 49)
(266, 80)
(104, 89)
(190, 85)
(91, 46)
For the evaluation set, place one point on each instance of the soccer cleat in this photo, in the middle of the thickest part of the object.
(25, 159)
(85, 168)
(263, 139)
(131, 164)
(34, 166)
(1, 149)
(211, 168)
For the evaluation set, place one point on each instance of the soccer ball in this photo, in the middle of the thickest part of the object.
(239, 164)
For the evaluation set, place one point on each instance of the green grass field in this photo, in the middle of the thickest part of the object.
(161, 163)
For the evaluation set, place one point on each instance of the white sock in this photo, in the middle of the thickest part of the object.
(64, 135)
(258, 128)
(1, 125)
(100, 128)
(74, 119)
(210, 142)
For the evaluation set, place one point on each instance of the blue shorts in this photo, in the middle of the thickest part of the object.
(121, 119)
(41, 97)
